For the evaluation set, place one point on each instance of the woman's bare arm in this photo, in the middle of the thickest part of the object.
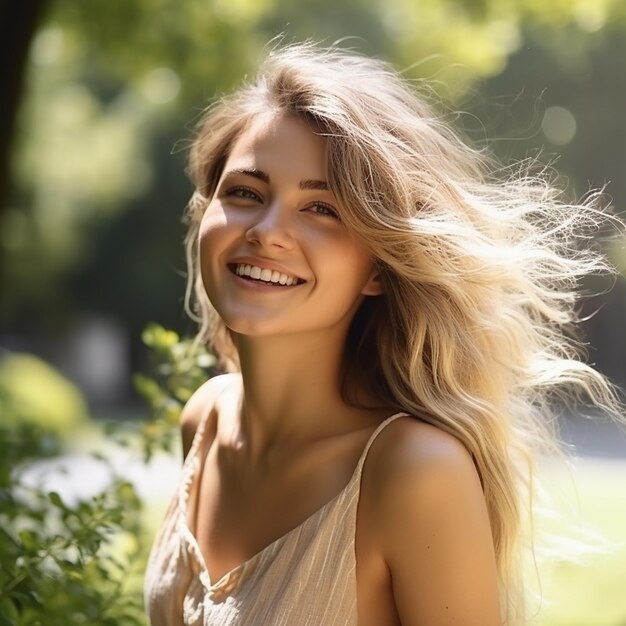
(432, 529)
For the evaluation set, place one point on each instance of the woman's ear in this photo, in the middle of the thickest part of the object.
(374, 284)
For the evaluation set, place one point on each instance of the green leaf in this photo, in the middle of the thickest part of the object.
(157, 337)
(6, 621)
(29, 540)
(148, 388)
(55, 499)
(8, 612)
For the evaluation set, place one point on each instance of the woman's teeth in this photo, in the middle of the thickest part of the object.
(265, 275)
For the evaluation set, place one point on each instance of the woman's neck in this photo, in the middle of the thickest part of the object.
(292, 390)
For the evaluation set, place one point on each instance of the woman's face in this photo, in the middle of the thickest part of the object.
(275, 256)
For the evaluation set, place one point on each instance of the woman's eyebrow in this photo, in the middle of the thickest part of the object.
(249, 172)
(320, 185)
(308, 184)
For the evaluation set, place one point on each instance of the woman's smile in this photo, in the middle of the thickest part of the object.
(269, 277)
(264, 272)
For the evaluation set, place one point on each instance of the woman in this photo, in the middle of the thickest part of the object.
(390, 314)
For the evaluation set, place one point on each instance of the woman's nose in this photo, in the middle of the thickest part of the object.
(271, 227)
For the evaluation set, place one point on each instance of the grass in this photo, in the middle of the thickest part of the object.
(592, 593)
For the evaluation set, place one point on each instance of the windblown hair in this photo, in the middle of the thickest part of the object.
(480, 265)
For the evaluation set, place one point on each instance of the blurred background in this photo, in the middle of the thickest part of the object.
(99, 101)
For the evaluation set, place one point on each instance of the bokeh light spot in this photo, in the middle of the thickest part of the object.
(47, 46)
(161, 85)
(558, 125)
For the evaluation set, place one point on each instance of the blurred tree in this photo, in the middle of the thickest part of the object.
(18, 21)
(98, 182)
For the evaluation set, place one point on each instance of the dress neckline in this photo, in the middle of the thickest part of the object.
(192, 468)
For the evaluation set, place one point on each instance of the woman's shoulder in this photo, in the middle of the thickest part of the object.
(425, 516)
(408, 444)
(416, 470)
(202, 404)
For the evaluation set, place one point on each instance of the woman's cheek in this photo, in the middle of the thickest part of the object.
(214, 217)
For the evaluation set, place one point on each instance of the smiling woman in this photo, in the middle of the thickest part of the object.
(390, 316)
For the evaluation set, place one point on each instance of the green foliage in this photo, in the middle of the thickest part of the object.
(64, 562)
(32, 391)
(62, 200)
(180, 366)
(79, 562)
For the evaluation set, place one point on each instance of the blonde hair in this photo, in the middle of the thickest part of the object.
(479, 265)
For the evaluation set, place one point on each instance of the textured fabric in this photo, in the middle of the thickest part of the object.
(307, 577)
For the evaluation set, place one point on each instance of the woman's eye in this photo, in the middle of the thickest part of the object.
(325, 209)
(245, 193)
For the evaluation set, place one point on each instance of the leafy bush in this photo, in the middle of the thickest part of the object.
(82, 562)
(59, 562)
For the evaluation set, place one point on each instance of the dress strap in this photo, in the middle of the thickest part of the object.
(370, 441)
(198, 438)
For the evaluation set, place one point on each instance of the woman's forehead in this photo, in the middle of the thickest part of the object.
(279, 140)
